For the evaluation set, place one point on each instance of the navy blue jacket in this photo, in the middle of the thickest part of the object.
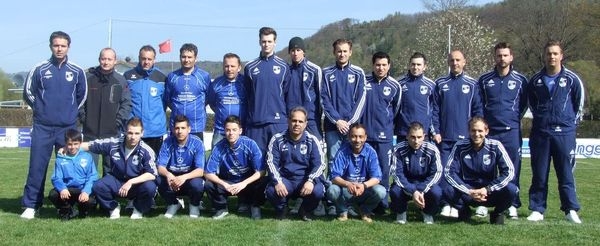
(305, 88)
(416, 169)
(417, 103)
(141, 159)
(267, 80)
(301, 160)
(504, 99)
(382, 102)
(342, 94)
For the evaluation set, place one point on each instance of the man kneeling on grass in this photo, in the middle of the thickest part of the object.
(132, 174)
(181, 167)
(73, 177)
(479, 171)
(235, 168)
(355, 174)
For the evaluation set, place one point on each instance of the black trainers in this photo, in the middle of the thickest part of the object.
(281, 215)
(497, 218)
(305, 216)
(64, 214)
(464, 214)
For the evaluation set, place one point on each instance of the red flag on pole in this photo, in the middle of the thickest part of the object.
(164, 47)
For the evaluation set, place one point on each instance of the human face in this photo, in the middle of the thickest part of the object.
(267, 44)
(357, 137)
(297, 55)
(342, 53)
(456, 62)
(503, 58)
(478, 131)
(182, 131)
(59, 48)
(187, 59)
(108, 60)
(147, 59)
(381, 67)
(232, 132)
(72, 147)
(297, 124)
(134, 135)
(415, 138)
(553, 57)
(417, 66)
(231, 68)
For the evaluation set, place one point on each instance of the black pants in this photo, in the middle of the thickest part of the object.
(54, 197)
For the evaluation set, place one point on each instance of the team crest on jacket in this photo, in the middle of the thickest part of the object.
(153, 91)
(562, 82)
(512, 84)
(135, 160)
(487, 159)
(304, 76)
(83, 162)
(387, 90)
(466, 89)
(423, 89)
(276, 69)
(303, 149)
(351, 78)
(422, 162)
(69, 76)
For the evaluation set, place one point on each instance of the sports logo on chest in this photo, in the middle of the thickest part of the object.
(83, 162)
(303, 149)
(422, 162)
(512, 84)
(304, 76)
(424, 90)
(135, 160)
(332, 78)
(466, 89)
(351, 78)
(69, 76)
(179, 160)
(445, 87)
(562, 82)
(153, 91)
(276, 69)
(487, 159)
(387, 90)
(255, 71)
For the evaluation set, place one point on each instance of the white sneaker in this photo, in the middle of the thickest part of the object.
(481, 211)
(136, 215)
(445, 211)
(320, 210)
(453, 212)
(512, 213)
(195, 211)
(172, 210)
(296, 206)
(401, 218)
(535, 216)
(115, 213)
(331, 210)
(427, 218)
(28, 214)
(573, 217)
(221, 213)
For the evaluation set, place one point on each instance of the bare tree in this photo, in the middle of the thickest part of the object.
(444, 5)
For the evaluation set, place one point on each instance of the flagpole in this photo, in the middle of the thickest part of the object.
(109, 32)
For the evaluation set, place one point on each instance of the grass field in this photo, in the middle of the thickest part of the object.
(241, 230)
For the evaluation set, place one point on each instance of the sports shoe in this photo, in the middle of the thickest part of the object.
(115, 213)
(296, 206)
(573, 217)
(331, 210)
(194, 211)
(221, 213)
(201, 206)
(497, 218)
(535, 216)
(182, 202)
(453, 212)
(320, 210)
(512, 213)
(427, 219)
(445, 211)
(255, 213)
(481, 211)
(28, 213)
(352, 212)
(136, 215)
(366, 218)
(343, 217)
(305, 216)
(243, 207)
(172, 210)
(401, 218)
(64, 214)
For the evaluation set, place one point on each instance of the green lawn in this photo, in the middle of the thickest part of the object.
(240, 230)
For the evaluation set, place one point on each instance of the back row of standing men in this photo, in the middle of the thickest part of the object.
(269, 88)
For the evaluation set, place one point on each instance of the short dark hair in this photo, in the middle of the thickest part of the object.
(340, 41)
(189, 47)
(357, 126)
(381, 55)
(418, 55)
(182, 118)
(502, 45)
(415, 125)
(232, 55)
(233, 119)
(60, 34)
(147, 48)
(476, 119)
(73, 135)
(135, 121)
(267, 31)
(553, 42)
(298, 109)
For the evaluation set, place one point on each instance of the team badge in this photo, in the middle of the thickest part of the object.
(304, 76)
(135, 161)
(153, 91)
(83, 162)
(69, 76)
(512, 84)
(562, 82)
(422, 162)
(466, 89)
(255, 71)
(487, 159)
(424, 90)
(351, 78)
(276, 69)
(387, 90)
(303, 149)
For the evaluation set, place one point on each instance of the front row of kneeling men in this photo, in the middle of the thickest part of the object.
(479, 172)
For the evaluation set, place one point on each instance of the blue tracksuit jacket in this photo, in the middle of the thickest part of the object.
(295, 160)
(382, 104)
(417, 103)
(147, 99)
(78, 171)
(504, 99)
(305, 88)
(267, 80)
(342, 94)
(141, 159)
(416, 169)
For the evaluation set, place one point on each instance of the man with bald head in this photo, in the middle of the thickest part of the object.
(108, 105)
(456, 100)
